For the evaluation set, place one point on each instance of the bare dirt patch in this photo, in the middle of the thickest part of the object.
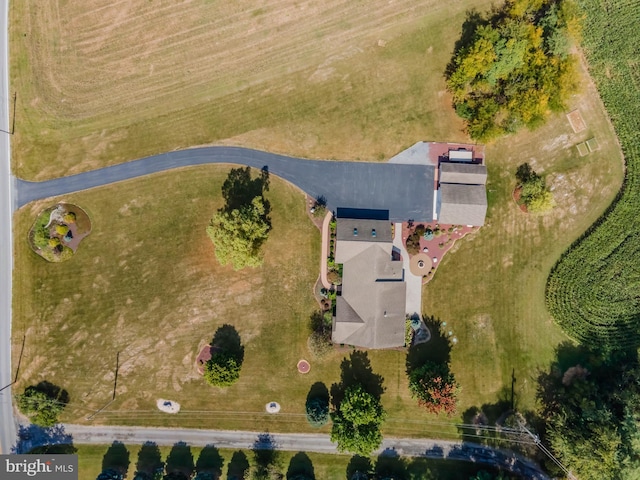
(576, 121)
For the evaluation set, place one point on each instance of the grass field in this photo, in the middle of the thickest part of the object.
(324, 466)
(146, 284)
(101, 83)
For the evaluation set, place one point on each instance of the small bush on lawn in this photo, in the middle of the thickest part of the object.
(70, 217)
(318, 411)
(319, 211)
(222, 370)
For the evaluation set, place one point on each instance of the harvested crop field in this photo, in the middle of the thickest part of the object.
(103, 82)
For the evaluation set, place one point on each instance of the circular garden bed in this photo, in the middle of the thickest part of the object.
(58, 231)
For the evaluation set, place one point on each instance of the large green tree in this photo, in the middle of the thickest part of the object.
(511, 69)
(41, 406)
(591, 405)
(356, 422)
(239, 233)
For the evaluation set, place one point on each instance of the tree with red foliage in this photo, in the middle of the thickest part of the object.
(435, 387)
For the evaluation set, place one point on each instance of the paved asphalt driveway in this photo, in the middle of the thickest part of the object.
(405, 190)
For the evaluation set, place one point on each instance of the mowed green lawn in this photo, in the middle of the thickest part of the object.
(146, 284)
(324, 466)
(490, 290)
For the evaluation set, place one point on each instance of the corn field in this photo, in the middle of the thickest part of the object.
(593, 291)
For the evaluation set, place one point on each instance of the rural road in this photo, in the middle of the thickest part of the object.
(7, 422)
(471, 452)
(405, 190)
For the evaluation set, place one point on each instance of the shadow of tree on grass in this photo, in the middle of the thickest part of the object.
(300, 467)
(149, 460)
(390, 465)
(240, 189)
(210, 461)
(116, 458)
(356, 370)
(359, 468)
(238, 466)
(227, 339)
(267, 461)
(436, 350)
(180, 460)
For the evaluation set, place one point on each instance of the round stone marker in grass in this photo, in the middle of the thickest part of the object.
(167, 406)
(272, 407)
(304, 366)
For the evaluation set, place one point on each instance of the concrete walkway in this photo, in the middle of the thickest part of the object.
(324, 250)
(414, 282)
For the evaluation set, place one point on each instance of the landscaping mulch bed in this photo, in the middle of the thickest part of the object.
(516, 198)
(437, 247)
(203, 357)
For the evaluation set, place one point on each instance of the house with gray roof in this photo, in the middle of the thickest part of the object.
(370, 311)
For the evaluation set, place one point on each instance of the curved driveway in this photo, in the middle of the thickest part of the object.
(405, 190)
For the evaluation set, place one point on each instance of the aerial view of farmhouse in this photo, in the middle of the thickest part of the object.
(301, 240)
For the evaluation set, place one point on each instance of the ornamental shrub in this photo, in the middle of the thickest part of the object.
(62, 229)
(317, 411)
(319, 342)
(222, 370)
